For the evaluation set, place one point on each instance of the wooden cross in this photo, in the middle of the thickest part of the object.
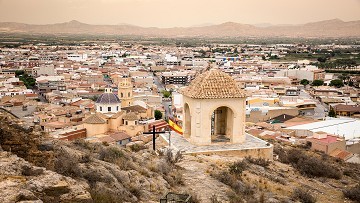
(154, 133)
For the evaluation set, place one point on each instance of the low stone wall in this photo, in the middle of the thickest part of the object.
(266, 153)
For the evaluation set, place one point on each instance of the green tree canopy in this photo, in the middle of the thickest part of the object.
(337, 83)
(28, 80)
(158, 115)
(317, 83)
(166, 93)
(304, 82)
(332, 113)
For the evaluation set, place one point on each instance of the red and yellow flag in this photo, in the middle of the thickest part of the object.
(175, 127)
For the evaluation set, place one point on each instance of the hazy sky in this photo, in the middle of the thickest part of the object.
(172, 13)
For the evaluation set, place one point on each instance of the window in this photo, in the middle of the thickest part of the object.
(100, 108)
(122, 95)
(128, 94)
(109, 108)
(126, 122)
(117, 108)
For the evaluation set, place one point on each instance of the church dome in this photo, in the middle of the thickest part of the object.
(213, 84)
(108, 98)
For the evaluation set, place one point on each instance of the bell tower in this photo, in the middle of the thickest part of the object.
(125, 91)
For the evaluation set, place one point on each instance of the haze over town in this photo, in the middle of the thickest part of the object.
(171, 13)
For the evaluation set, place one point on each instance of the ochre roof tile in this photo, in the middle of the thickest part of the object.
(213, 84)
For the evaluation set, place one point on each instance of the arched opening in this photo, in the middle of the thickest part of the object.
(122, 95)
(222, 121)
(187, 123)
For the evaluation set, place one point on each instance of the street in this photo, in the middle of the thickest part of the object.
(320, 110)
(166, 103)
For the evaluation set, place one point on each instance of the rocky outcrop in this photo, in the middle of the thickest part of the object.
(25, 142)
(20, 181)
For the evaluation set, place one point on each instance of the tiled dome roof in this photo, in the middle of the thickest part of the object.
(213, 84)
(108, 98)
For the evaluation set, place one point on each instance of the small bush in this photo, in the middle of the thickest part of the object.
(231, 180)
(67, 165)
(104, 197)
(238, 167)
(303, 196)
(260, 161)
(174, 178)
(85, 158)
(82, 143)
(353, 193)
(110, 154)
(135, 190)
(173, 159)
(235, 198)
(137, 147)
(314, 167)
(308, 165)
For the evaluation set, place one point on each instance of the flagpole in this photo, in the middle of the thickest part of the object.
(169, 138)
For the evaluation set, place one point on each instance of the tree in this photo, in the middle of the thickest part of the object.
(344, 77)
(317, 83)
(337, 83)
(19, 72)
(304, 82)
(158, 115)
(166, 94)
(322, 59)
(332, 113)
(28, 80)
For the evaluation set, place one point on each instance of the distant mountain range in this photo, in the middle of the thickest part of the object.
(321, 29)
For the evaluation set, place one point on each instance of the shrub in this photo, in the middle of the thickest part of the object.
(238, 167)
(353, 193)
(303, 196)
(110, 154)
(173, 159)
(308, 165)
(85, 158)
(137, 147)
(135, 190)
(260, 161)
(314, 167)
(67, 165)
(82, 143)
(234, 198)
(104, 197)
(231, 180)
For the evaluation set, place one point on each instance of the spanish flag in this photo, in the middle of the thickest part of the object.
(175, 127)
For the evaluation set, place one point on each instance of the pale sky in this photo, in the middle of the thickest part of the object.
(177, 13)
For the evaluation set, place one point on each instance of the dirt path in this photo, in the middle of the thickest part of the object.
(198, 181)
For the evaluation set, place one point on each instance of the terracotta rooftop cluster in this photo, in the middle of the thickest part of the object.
(213, 84)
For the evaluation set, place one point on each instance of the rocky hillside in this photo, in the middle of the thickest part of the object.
(328, 28)
(39, 169)
(34, 168)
